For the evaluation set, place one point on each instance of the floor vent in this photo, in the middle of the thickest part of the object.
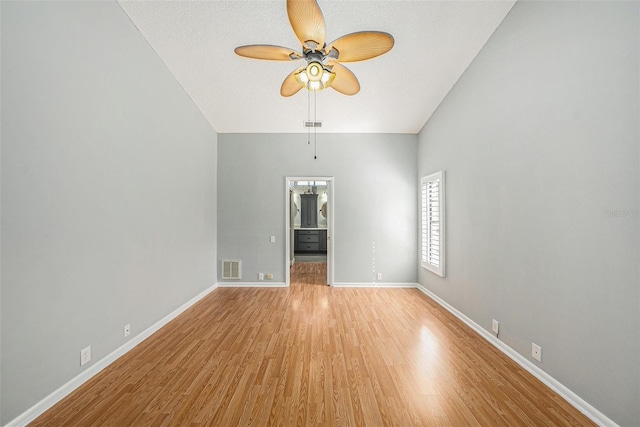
(231, 269)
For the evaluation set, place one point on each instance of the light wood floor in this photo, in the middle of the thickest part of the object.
(313, 355)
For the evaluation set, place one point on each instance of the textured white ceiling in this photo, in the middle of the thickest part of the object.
(435, 41)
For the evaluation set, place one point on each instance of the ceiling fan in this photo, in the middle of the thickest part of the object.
(323, 67)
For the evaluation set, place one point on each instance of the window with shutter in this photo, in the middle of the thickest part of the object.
(432, 223)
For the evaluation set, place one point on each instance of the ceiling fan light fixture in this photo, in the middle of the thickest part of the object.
(327, 78)
(315, 86)
(315, 77)
(302, 78)
(314, 71)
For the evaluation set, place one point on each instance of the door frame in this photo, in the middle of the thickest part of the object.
(330, 216)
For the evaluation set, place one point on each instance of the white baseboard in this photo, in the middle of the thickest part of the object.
(373, 285)
(265, 284)
(575, 400)
(39, 408)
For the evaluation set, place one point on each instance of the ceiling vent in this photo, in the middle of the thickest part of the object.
(231, 269)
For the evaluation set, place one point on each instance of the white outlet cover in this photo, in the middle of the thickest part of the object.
(379, 276)
(127, 330)
(85, 355)
(495, 326)
(260, 276)
(536, 352)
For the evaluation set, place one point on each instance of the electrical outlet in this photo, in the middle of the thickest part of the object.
(85, 355)
(536, 352)
(269, 276)
(260, 276)
(273, 239)
(495, 327)
(127, 330)
(379, 276)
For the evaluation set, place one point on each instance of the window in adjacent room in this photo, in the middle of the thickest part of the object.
(432, 223)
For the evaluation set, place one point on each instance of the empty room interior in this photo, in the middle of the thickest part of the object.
(442, 227)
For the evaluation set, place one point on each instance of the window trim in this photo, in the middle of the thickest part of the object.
(439, 269)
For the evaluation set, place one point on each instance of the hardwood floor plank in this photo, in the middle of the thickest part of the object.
(311, 355)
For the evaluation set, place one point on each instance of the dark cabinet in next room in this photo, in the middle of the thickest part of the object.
(310, 241)
(308, 210)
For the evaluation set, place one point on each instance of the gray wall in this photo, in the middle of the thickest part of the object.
(540, 143)
(108, 192)
(374, 192)
(0, 215)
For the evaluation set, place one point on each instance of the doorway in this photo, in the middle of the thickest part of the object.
(309, 231)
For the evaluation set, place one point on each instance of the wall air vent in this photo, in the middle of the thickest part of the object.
(231, 269)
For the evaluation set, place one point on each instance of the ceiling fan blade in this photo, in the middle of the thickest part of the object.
(267, 52)
(291, 86)
(345, 81)
(361, 45)
(307, 22)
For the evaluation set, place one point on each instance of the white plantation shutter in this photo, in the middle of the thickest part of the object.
(432, 222)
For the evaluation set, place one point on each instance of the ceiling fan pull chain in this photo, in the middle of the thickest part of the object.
(308, 117)
(315, 128)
